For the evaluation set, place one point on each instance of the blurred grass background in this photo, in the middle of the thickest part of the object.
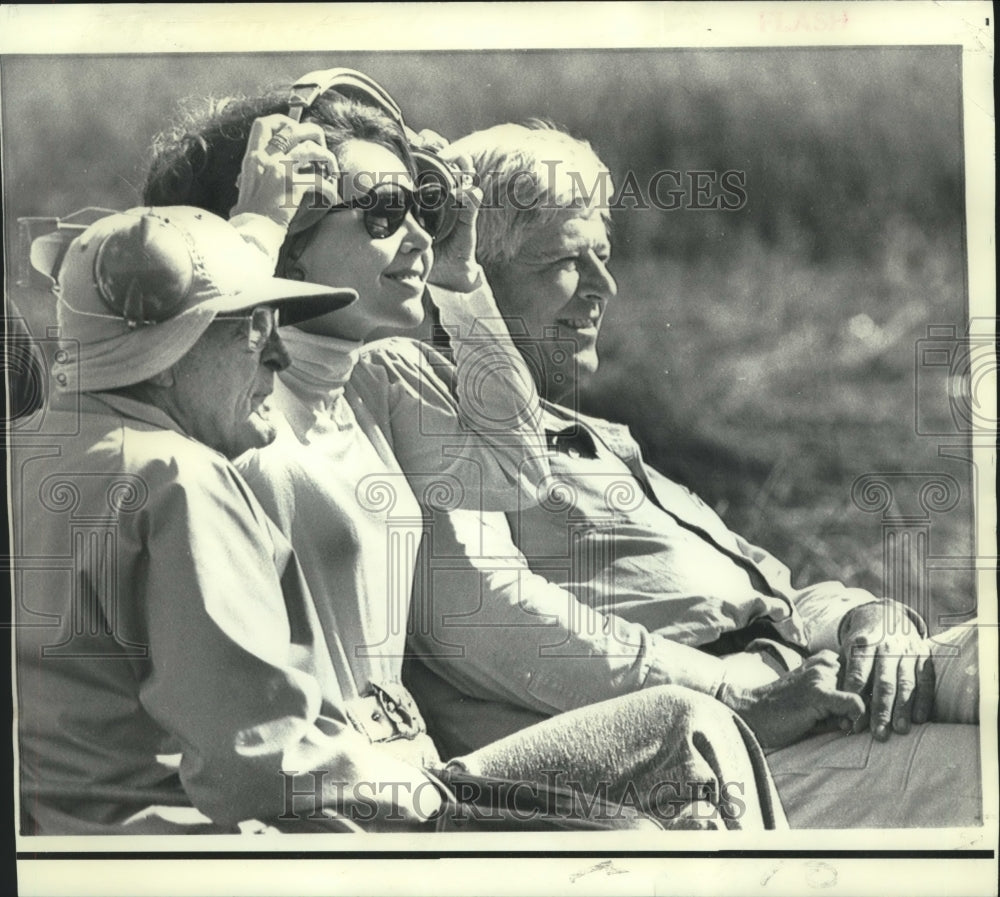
(765, 357)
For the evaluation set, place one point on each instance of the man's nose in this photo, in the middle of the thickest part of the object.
(598, 282)
(275, 356)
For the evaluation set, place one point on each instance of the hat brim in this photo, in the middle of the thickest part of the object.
(298, 300)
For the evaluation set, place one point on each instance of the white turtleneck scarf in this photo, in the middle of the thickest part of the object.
(321, 366)
(323, 481)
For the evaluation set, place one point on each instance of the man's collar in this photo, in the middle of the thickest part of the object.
(566, 433)
(617, 437)
(131, 408)
(574, 440)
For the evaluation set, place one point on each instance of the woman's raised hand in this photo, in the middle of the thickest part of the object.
(284, 161)
(455, 266)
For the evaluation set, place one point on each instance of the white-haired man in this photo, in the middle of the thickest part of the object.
(619, 579)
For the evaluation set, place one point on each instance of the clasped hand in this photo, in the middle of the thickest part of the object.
(883, 679)
(785, 710)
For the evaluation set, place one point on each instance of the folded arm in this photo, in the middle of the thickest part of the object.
(880, 642)
(236, 669)
(499, 631)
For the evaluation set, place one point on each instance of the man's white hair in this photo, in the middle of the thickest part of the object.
(530, 174)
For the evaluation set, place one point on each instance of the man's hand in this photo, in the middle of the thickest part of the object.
(284, 161)
(884, 657)
(782, 712)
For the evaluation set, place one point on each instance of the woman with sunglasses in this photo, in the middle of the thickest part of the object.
(370, 431)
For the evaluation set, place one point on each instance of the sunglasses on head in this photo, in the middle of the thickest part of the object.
(385, 207)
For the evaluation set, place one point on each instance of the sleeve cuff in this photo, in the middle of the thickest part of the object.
(823, 608)
(917, 620)
(671, 663)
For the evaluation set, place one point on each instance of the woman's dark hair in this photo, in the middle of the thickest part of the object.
(196, 161)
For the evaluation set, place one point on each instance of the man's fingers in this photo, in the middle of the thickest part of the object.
(848, 706)
(856, 667)
(906, 686)
(858, 662)
(923, 700)
(831, 701)
(884, 680)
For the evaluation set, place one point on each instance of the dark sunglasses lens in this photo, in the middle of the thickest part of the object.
(385, 211)
(432, 207)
